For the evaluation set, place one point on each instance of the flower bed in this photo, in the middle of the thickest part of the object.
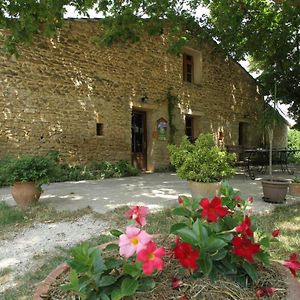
(215, 251)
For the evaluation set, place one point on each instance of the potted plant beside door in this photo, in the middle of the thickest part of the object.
(26, 174)
(203, 164)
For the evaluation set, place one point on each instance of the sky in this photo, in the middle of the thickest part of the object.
(70, 13)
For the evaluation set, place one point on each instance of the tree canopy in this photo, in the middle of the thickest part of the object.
(264, 31)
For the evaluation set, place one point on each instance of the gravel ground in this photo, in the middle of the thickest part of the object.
(20, 252)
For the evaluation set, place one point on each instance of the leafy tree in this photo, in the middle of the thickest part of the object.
(264, 31)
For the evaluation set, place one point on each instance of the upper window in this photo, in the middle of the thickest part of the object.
(188, 68)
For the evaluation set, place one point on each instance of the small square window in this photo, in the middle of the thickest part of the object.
(99, 129)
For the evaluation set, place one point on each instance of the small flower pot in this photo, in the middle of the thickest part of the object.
(200, 190)
(294, 189)
(25, 193)
(275, 190)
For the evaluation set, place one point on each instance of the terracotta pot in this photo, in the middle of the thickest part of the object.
(275, 190)
(25, 193)
(294, 189)
(200, 190)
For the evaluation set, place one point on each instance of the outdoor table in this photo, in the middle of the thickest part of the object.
(259, 159)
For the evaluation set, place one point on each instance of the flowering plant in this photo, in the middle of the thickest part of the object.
(218, 237)
(97, 276)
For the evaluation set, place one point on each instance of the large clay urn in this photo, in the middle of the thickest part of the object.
(25, 193)
(200, 190)
(294, 189)
(275, 190)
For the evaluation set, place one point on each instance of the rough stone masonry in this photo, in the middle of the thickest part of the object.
(53, 96)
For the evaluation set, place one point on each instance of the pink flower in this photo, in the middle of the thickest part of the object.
(176, 283)
(275, 233)
(293, 264)
(261, 292)
(133, 241)
(151, 258)
(137, 213)
(250, 199)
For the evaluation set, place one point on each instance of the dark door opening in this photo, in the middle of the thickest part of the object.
(139, 140)
(189, 128)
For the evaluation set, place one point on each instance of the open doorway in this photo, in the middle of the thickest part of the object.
(139, 140)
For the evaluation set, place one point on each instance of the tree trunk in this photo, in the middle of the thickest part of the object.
(270, 153)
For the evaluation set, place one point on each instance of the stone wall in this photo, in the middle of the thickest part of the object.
(53, 95)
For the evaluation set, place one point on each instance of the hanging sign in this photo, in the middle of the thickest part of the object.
(162, 126)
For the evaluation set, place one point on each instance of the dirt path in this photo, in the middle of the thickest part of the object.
(20, 252)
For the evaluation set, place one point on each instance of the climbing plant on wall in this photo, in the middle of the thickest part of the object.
(172, 101)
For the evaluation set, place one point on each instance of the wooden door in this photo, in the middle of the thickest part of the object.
(139, 140)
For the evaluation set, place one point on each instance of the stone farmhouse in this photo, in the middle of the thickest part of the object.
(110, 103)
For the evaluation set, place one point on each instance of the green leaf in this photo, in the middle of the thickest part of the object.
(206, 265)
(263, 257)
(146, 284)
(195, 204)
(107, 280)
(219, 255)
(74, 281)
(104, 297)
(227, 267)
(188, 236)
(112, 263)
(98, 262)
(129, 286)
(201, 232)
(250, 270)
(117, 294)
(214, 244)
(116, 232)
(132, 270)
(265, 242)
(177, 226)
(111, 247)
(226, 237)
(181, 211)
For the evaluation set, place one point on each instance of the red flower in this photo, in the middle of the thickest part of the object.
(183, 297)
(265, 291)
(244, 227)
(151, 258)
(138, 214)
(293, 264)
(242, 246)
(176, 283)
(213, 210)
(276, 232)
(180, 201)
(186, 255)
(237, 198)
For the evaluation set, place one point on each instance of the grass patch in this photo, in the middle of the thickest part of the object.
(10, 215)
(287, 218)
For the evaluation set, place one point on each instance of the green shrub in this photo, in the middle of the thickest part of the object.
(202, 161)
(45, 169)
(26, 168)
(294, 143)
